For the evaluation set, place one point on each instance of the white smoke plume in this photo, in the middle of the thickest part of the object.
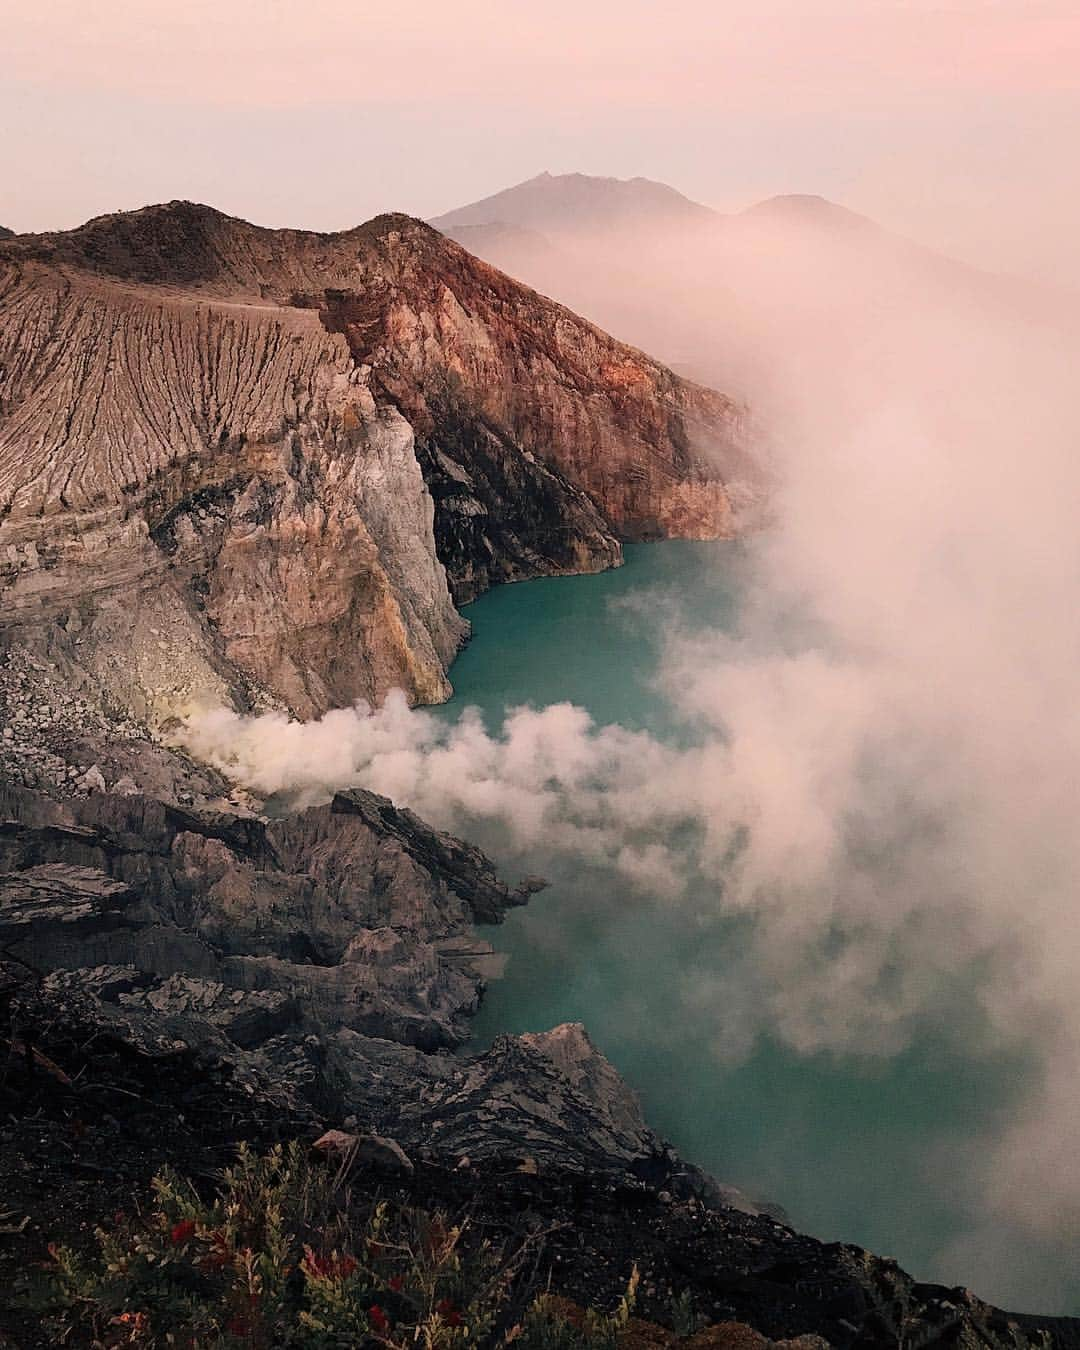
(886, 778)
(551, 778)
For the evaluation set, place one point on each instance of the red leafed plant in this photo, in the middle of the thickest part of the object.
(284, 1256)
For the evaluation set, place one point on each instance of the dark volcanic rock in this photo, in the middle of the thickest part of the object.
(293, 909)
(73, 1152)
(504, 516)
(544, 1097)
(161, 1005)
(58, 913)
(464, 869)
(327, 958)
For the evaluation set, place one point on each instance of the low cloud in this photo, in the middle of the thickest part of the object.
(884, 774)
(551, 778)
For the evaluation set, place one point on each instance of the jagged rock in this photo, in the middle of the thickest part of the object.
(328, 956)
(107, 983)
(571, 1051)
(346, 910)
(247, 1018)
(516, 1101)
(463, 868)
(377, 947)
(56, 914)
(334, 1143)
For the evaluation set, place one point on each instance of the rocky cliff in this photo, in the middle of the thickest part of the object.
(254, 466)
(206, 498)
(325, 962)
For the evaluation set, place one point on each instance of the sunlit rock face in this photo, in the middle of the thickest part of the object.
(257, 467)
(211, 489)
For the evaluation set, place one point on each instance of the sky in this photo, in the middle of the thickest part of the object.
(952, 121)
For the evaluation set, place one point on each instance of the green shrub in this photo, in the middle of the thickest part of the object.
(283, 1256)
(550, 1324)
(684, 1320)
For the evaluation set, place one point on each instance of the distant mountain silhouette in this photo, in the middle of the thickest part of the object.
(804, 208)
(556, 202)
(715, 293)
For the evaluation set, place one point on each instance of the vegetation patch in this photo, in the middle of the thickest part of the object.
(283, 1254)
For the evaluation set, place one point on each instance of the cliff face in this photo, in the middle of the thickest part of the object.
(236, 465)
(212, 491)
(354, 915)
(326, 961)
(513, 396)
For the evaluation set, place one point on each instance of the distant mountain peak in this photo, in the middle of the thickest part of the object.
(809, 208)
(552, 203)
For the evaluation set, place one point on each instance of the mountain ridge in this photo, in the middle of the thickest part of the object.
(738, 298)
(597, 199)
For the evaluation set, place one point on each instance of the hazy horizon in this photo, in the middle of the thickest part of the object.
(322, 115)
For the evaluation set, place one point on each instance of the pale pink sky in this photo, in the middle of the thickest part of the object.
(955, 120)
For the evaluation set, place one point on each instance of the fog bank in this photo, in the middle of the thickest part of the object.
(886, 760)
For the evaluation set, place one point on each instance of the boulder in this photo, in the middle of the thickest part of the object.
(372, 1151)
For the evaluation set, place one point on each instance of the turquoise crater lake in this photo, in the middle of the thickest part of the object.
(855, 1149)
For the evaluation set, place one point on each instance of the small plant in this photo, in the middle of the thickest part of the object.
(282, 1256)
(554, 1324)
(684, 1320)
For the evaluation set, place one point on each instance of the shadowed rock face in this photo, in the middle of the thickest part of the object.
(354, 915)
(326, 960)
(247, 459)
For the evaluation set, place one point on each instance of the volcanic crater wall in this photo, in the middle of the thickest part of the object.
(257, 467)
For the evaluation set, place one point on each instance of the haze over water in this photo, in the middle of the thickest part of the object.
(857, 1148)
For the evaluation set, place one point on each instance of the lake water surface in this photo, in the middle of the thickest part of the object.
(858, 1150)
